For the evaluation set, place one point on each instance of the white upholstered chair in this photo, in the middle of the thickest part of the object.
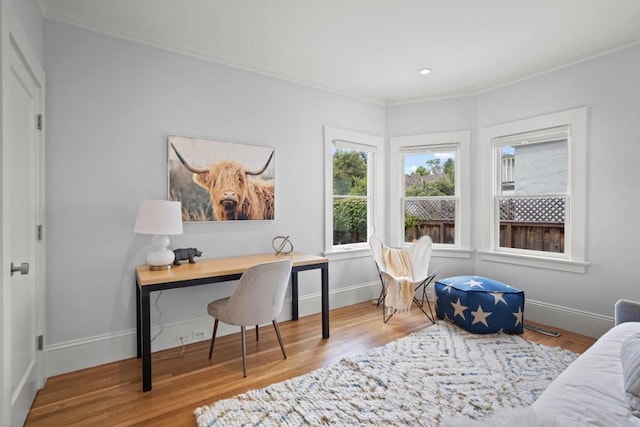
(417, 273)
(257, 299)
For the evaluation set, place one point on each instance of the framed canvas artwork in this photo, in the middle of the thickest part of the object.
(221, 181)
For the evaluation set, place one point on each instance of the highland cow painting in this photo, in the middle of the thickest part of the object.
(221, 181)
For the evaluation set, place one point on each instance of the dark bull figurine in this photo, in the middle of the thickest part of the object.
(186, 253)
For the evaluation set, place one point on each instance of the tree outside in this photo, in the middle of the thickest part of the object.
(436, 179)
(349, 202)
(426, 211)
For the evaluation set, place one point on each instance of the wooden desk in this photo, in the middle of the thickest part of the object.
(209, 271)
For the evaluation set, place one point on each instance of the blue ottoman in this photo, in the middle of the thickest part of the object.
(480, 305)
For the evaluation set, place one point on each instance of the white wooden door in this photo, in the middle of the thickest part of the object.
(22, 302)
(23, 214)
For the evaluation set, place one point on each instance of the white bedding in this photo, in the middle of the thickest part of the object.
(590, 391)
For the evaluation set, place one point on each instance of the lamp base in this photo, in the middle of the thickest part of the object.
(160, 267)
(161, 258)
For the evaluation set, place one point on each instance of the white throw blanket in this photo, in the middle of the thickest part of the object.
(399, 291)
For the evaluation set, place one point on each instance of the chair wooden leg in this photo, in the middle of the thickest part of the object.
(244, 351)
(213, 337)
(256, 332)
(275, 325)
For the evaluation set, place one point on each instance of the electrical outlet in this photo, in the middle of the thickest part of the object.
(184, 338)
(199, 334)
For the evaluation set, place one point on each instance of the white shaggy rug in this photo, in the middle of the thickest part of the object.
(422, 379)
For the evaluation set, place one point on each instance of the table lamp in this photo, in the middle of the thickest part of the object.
(161, 218)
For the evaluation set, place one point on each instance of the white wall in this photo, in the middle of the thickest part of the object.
(610, 88)
(111, 104)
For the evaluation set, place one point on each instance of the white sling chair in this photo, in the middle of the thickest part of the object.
(419, 256)
(258, 299)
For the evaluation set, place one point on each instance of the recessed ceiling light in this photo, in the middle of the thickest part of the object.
(425, 71)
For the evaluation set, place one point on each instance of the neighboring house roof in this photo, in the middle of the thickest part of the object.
(418, 179)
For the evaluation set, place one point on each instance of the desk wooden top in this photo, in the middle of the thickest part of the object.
(219, 267)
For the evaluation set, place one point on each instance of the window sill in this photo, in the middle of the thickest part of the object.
(365, 252)
(533, 261)
(347, 253)
(451, 253)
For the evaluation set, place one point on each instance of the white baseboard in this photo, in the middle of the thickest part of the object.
(84, 353)
(581, 322)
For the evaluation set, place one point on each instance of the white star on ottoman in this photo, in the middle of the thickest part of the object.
(498, 297)
(473, 283)
(518, 315)
(458, 309)
(480, 316)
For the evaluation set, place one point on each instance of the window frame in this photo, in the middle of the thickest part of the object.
(432, 142)
(374, 145)
(573, 259)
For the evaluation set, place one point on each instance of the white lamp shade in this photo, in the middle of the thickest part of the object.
(159, 217)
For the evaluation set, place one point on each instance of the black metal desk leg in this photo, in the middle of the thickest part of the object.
(325, 300)
(294, 295)
(138, 323)
(146, 342)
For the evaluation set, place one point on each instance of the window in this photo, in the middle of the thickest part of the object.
(353, 189)
(534, 191)
(429, 198)
(430, 190)
(351, 202)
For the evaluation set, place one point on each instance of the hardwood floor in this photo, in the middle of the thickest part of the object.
(111, 394)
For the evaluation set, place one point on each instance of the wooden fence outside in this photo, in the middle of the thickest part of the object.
(533, 222)
(439, 231)
(547, 237)
(526, 222)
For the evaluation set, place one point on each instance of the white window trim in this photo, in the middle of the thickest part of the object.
(462, 247)
(376, 144)
(574, 259)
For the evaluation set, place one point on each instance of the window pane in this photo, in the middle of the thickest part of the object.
(534, 223)
(350, 209)
(429, 190)
(349, 172)
(435, 217)
(539, 168)
(533, 185)
(349, 220)
(429, 174)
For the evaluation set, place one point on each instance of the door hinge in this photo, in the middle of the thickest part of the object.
(39, 122)
(40, 342)
(40, 232)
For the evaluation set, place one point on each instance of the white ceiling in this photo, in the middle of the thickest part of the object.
(372, 49)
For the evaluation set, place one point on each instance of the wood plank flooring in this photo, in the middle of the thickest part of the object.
(111, 395)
